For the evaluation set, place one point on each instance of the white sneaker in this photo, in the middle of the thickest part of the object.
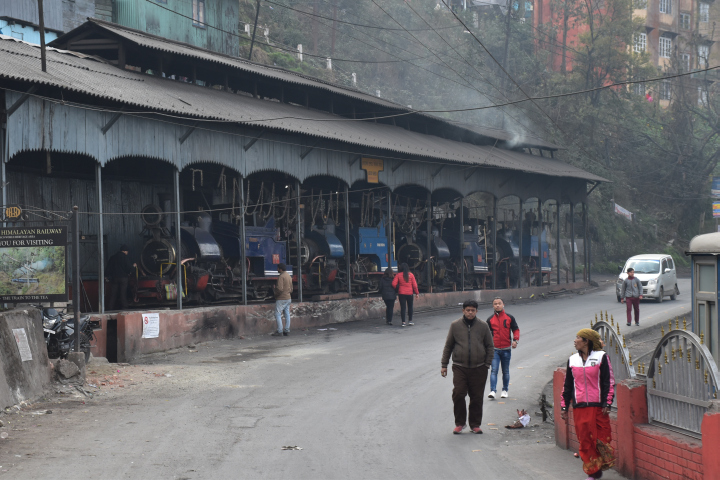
(504, 394)
(492, 395)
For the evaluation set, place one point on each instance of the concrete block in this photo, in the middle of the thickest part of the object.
(20, 379)
(66, 369)
(562, 433)
(711, 440)
(78, 358)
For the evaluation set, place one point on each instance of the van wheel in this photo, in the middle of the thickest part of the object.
(659, 299)
(675, 293)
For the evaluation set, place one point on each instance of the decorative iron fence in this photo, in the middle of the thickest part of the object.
(615, 348)
(682, 380)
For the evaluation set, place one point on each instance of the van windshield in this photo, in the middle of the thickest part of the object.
(644, 266)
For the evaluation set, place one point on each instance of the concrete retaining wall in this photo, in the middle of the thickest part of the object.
(181, 328)
(22, 380)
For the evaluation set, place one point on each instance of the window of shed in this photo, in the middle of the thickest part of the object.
(665, 6)
(685, 21)
(640, 42)
(704, 12)
(665, 47)
(198, 13)
(706, 278)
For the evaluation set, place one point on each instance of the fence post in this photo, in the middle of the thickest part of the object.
(178, 243)
(710, 441)
(632, 410)
(562, 433)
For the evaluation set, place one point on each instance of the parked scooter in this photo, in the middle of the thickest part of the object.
(59, 328)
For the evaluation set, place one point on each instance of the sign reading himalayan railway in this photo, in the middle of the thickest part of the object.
(33, 264)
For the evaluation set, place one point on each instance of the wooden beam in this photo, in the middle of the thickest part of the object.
(438, 171)
(188, 132)
(593, 188)
(472, 172)
(112, 121)
(502, 184)
(353, 160)
(308, 150)
(398, 165)
(252, 141)
(18, 103)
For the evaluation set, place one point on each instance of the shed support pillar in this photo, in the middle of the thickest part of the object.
(539, 241)
(493, 230)
(243, 253)
(389, 230)
(178, 242)
(101, 232)
(462, 246)
(298, 243)
(572, 239)
(428, 264)
(347, 241)
(520, 245)
(557, 241)
(586, 263)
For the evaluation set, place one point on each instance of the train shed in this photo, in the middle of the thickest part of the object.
(122, 120)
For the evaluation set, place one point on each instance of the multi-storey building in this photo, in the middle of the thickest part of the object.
(212, 25)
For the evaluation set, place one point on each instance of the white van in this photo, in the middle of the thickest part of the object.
(656, 273)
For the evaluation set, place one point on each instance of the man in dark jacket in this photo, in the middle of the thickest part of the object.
(506, 336)
(470, 343)
(631, 294)
(117, 271)
(388, 293)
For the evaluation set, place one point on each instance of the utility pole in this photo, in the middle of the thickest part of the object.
(41, 23)
(252, 42)
(316, 12)
(507, 51)
(332, 43)
(76, 275)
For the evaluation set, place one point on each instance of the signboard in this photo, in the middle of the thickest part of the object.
(716, 209)
(33, 266)
(13, 212)
(151, 325)
(623, 212)
(22, 343)
(373, 167)
(715, 192)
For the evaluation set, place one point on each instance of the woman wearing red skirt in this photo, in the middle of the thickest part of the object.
(590, 388)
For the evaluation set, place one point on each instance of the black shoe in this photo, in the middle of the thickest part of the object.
(637, 324)
(629, 324)
(276, 334)
(388, 323)
(285, 334)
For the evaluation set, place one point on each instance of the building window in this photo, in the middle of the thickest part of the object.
(702, 96)
(703, 55)
(704, 12)
(665, 90)
(665, 6)
(639, 89)
(665, 47)
(640, 42)
(198, 13)
(685, 62)
(685, 21)
(639, 4)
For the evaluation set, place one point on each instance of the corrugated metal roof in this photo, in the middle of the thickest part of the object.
(27, 11)
(154, 42)
(80, 73)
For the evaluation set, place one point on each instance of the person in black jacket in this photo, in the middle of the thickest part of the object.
(388, 293)
(117, 271)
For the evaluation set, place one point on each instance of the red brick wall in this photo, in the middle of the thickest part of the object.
(648, 452)
(663, 454)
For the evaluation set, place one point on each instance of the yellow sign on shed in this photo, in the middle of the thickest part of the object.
(372, 167)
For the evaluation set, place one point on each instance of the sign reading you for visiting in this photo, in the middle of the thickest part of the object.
(33, 264)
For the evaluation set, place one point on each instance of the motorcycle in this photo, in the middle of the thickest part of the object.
(59, 328)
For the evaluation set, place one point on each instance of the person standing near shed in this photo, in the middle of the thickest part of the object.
(406, 286)
(117, 271)
(506, 335)
(631, 294)
(283, 289)
(388, 293)
(470, 343)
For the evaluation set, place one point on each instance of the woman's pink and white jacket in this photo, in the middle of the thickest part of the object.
(591, 384)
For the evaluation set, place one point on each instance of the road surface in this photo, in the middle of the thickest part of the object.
(364, 401)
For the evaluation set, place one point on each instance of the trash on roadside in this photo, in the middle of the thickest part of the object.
(522, 421)
(294, 447)
(3, 435)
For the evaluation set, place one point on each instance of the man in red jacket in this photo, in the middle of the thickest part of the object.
(506, 336)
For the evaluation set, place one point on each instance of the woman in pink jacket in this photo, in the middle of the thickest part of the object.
(406, 286)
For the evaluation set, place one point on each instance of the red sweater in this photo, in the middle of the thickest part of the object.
(403, 287)
(504, 330)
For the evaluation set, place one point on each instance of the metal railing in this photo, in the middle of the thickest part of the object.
(615, 348)
(682, 381)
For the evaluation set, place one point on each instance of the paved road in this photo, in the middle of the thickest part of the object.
(363, 401)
